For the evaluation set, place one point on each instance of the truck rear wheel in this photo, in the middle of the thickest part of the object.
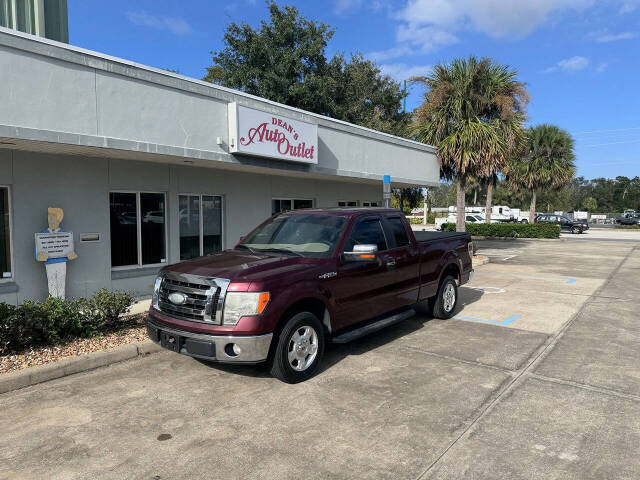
(299, 350)
(443, 305)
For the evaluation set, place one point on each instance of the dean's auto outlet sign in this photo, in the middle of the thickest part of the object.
(254, 132)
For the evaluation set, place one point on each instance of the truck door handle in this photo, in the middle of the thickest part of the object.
(391, 264)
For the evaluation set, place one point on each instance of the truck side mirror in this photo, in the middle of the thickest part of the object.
(362, 253)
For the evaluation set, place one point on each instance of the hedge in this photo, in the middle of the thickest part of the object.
(515, 230)
(431, 218)
(32, 324)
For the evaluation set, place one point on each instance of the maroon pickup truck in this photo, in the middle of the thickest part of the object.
(301, 279)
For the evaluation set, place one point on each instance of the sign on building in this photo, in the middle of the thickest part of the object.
(55, 244)
(254, 132)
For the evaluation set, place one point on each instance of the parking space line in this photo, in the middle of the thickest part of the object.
(508, 321)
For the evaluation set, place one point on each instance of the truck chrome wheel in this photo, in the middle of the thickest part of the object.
(303, 348)
(449, 298)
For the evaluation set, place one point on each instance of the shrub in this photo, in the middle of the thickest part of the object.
(514, 230)
(49, 322)
(431, 218)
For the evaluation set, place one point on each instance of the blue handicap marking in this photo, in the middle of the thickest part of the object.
(571, 280)
(508, 321)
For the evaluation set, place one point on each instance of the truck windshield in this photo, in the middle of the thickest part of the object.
(312, 236)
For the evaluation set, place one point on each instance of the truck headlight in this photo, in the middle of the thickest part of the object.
(156, 292)
(242, 304)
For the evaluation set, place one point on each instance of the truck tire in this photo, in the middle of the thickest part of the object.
(443, 305)
(299, 349)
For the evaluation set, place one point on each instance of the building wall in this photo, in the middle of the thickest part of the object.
(65, 95)
(81, 186)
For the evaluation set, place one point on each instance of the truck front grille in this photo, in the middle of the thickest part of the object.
(203, 297)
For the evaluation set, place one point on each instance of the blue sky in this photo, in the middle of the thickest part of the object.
(580, 58)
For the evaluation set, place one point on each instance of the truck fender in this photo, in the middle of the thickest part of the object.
(449, 261)
(309, 297)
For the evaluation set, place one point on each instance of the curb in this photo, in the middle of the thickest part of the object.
(474, 237)
(478, 260)
(69, 366)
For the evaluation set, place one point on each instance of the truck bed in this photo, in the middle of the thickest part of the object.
(429, 236)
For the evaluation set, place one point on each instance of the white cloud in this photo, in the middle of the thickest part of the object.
(602, 66)
(425, 25)
(570, 65)
(175, 25)
(629, 6)
(403, 71)
(616, 37)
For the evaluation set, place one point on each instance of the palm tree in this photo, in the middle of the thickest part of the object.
(505, 102)
(548, 163)
(453, 117)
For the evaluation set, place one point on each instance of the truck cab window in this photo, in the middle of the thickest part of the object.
(367, 232)
(398, 232)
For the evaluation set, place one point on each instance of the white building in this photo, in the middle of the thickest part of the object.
(151, 167)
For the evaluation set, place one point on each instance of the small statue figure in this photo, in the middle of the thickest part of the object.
(56, 266)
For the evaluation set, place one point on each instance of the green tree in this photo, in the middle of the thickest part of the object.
(407, 198)
(285, 60)
(548, 163)
(590, 204)
(453, 117)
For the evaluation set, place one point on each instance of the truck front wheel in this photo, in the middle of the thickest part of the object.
(443, 305)
(299, 350)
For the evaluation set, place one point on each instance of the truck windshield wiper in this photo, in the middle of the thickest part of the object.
(287, 250)
(245, 247)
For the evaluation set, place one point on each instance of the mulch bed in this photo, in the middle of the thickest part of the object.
(133, 332)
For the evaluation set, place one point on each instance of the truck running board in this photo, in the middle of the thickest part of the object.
(373, 327)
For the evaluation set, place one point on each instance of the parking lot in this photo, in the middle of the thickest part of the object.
(537, 376)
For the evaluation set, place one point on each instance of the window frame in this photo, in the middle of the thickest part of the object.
(201, 232)
(386, 226)
(368, 219)
(10, 278)
(292, 200)
(378, 203)
(139, 265)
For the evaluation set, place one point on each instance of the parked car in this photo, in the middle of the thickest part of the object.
(303, 278)
(628, 218)
(565, 223)
(469, 218)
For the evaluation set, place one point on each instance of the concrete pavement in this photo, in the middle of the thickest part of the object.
(538, 377)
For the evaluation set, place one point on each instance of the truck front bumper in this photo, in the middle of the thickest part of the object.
(219, 348)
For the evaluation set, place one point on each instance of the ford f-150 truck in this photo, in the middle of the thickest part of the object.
(303, 278)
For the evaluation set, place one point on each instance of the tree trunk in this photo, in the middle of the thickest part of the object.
(487, 212)
(532, 208)
(460, 213)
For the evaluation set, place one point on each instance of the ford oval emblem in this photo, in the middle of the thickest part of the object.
(177, 298)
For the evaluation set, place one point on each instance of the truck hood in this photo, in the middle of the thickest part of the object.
(241, 266)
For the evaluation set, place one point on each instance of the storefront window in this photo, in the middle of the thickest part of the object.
(286, 204)
(152, 230)
(349, 203)
(200, 225)
(137, 219)
(124, 229)
(5, 234)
